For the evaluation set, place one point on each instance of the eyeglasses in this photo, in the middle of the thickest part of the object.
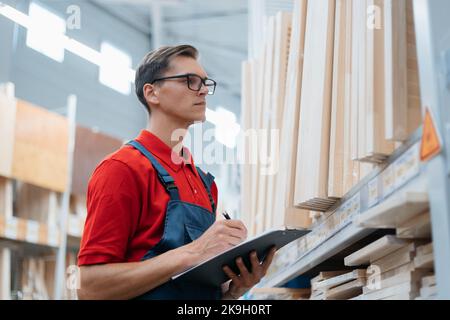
(194, 82)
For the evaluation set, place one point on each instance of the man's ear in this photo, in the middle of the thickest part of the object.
(151, 93)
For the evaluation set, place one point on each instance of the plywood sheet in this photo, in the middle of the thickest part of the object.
(337, 156)
(40, 147)
(396, 73)
(90, 148)
(315, 111)
(376, 143)
(283, 25)
(294, 217)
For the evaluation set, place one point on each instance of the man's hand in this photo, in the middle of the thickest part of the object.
(221, 236)
(243, 282)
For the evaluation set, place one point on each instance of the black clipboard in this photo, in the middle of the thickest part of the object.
(210, 271)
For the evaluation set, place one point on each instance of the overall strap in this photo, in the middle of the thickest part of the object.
(208, 180)
(165, 178)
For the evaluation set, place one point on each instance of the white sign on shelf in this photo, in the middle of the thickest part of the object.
(388, 179)
(11, 228)
(32, 234)
(407, 166)
(372, 193)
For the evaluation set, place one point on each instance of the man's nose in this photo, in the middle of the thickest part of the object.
(203, 90)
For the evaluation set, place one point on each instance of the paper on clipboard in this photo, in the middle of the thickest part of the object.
(210, 271)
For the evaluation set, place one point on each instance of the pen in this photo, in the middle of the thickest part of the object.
(225, 214)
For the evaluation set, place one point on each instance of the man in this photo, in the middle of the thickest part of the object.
(151, 212)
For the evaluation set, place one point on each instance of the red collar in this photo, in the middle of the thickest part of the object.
(164, 153)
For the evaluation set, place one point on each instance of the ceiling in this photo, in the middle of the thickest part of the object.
(217, 28)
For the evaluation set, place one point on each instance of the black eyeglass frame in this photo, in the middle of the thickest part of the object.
(187, 75)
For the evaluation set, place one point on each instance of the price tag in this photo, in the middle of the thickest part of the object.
(11, 227)
(32, 234)
(388, 179)
(407, 166)
(373, 193)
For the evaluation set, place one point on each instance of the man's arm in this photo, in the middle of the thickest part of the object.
(132, 279)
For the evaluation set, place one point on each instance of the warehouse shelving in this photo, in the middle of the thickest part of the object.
(34, 224)
(403, 181)
(357, 202)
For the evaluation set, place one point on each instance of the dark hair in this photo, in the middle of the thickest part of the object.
(155, 63)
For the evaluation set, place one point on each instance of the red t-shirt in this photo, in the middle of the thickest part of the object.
(126, 202)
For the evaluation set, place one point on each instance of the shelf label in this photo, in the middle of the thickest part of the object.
(407, 166)
(388, 179)
(11, 227)
(350, 209)
(373, 193)
(32, 234)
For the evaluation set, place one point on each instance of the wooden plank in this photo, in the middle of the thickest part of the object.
(346, 291)
(394, 211)
(424, 261)
(351, 168)
(361, 67)
(7, 122)
(396, 259)
(264, 125)
(396, 92)
(327, 275)
(414, 104)
(409, 276)
(314, 126)
(284, 204)
(356, 24)
(283, 25)
(377, 275)
(418, 227)
(425, 249)
(40, 147)
(337, 158)
(246, 166)
(90, 148)
(339, 280)
(376, 144)
(374, 251)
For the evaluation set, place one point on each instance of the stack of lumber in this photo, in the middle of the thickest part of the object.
(338, 285)
(396, 268)
(270, 98)
(341, 87)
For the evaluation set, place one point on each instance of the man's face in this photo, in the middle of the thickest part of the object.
(175, 98)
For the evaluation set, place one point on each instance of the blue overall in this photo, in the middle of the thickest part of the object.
(184, 223)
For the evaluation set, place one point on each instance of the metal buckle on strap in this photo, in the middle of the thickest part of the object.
(171, 186)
